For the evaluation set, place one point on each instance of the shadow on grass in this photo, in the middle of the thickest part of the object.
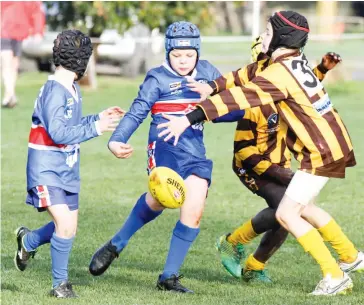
(128, 273)
(10, 287)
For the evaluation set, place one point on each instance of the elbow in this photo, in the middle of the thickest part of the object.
(56, 138)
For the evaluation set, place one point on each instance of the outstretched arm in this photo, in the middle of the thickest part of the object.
(224, 82)
(263, 89)
(55, 123)
(328, 62)
(139, 110)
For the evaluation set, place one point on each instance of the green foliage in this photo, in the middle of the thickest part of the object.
(121, 15)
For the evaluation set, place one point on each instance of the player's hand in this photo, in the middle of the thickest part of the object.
(203, 89)
(121, 150)
(108, 123)
(256, 48)
(112, 111)
(174, 128)
(330, 60)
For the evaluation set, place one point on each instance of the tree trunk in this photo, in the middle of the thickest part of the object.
(233, 18)
(220, 18)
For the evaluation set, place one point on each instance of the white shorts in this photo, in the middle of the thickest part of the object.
(304, 187)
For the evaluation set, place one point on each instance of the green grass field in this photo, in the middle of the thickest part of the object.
(109, 190)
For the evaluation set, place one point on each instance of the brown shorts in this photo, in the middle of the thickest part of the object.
(251, 180)
(271, 191)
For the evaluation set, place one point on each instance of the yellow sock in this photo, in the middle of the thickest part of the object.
(243, 234)
(253, 264)
(313, 243)
(333, 234)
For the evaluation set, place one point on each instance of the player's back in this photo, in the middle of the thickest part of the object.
(316, 132)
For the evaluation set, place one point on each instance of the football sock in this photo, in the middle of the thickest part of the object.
(265, 220)
(60, 252)
(243, 234)
(139, 216)
(269, 244)
(182, 238)
(333, 234)
(41, 236)
(313, 243)
(253, 264)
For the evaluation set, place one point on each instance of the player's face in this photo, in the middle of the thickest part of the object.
(183, 61)
(267, 38)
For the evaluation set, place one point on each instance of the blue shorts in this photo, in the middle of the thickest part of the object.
(161, 153)
(43, 196)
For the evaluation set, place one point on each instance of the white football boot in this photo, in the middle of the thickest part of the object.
(330, 286)
(357, 265)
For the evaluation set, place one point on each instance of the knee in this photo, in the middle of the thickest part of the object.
(283, 216)
(308, 211)
(192, 218)
(280, 215)
(196, 218)
(64, 230)
(153, 203)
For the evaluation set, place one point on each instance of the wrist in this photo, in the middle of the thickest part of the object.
(98, 129)
(213, 87)
(322, 69)
(196, 116)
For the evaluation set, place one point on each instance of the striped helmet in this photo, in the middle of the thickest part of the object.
(182, 35)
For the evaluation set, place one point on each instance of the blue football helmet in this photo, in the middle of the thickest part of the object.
(182, 35)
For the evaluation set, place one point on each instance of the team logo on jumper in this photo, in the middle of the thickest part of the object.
(272, 121)
(72, 158)
(183, 43)
(68, 109)
(70, 101)
(175, 85)
(241, 171)
(202, 81)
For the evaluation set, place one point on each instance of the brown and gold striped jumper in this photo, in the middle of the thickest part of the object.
(310, 125)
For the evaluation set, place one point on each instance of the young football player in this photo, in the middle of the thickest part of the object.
(164, 91)
(53, 179)
(262, 163)
(315, 134)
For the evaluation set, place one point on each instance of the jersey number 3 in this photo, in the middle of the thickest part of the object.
(304, 75)
(311, 81)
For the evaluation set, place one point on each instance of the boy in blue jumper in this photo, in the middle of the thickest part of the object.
(165, 91)
(53, 180)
